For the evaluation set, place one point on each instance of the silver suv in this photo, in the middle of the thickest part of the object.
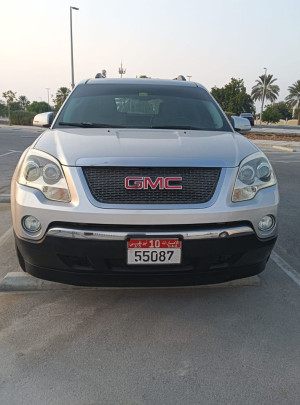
(143, 182)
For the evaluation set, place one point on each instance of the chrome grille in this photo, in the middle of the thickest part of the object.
(107, 184)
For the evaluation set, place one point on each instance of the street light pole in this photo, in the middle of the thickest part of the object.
(71, 32)
(48, 88)
(263, 97)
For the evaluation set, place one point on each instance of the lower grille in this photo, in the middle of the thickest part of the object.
(107, 184)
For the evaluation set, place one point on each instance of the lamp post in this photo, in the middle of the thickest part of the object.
(48, 88)
(263, 97)
(72, 62)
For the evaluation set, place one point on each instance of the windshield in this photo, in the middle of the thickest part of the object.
(142, 106)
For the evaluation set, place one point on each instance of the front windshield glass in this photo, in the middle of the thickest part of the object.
(142, 106)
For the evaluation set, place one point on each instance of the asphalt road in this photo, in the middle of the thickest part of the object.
(153, 346)
(157, 346)
(13, 141)
(287, 169)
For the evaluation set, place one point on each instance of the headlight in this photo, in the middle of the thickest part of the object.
(255, 172)
(43, 172)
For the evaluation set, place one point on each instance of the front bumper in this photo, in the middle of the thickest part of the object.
(29, 201)
(96, 256)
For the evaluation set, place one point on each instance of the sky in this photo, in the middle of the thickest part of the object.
(211, 40)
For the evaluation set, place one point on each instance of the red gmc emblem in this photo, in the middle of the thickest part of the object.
(144, 183)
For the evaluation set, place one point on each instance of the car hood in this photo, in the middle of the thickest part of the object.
(129, 147)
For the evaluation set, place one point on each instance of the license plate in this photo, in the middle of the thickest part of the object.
(154, 251)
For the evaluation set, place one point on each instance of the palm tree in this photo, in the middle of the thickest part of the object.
(265, 89)
(61, 95)
(10, 97)
(24, 102)
(293, 99)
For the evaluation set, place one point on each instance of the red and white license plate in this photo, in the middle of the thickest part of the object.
(154, 251)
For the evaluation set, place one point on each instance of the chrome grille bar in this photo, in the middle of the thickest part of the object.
(87, 234)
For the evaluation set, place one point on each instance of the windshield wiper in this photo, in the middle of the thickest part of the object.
(175, 127)
(88, 125)
(100, 125)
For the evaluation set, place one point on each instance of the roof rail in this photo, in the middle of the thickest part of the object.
(180, 77)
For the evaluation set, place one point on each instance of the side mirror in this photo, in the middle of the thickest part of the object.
(240, 124)
(43, 119)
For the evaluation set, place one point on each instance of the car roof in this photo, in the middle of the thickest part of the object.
(161, 82)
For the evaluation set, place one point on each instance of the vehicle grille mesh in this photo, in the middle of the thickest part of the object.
(107, 184)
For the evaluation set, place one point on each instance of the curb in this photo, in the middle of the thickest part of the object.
(285, 148)
(20, 281)
(22, 127)
(277, 133)
(4, 198)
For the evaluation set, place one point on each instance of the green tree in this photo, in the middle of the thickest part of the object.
(284, 110)
(233, 97)
(24, 102)
(38, 107)
(271, 114)
(144, 77)
(265, 89)
(61, 95)
(10, 97)
(293, 98)
(3, 109)
(15, 106)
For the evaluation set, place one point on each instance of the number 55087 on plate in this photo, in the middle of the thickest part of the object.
(153, 251)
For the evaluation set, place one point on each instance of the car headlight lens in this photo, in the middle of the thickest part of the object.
(51, 173)
(255, 172)
(263, 171)
(32, 170)
(43, 172)
(247, 174)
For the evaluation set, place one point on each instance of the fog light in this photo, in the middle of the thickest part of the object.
(31, 224)
(266, 223)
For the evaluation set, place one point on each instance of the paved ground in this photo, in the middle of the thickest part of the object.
(279, 126)
(280, 130)
(269, 146)
(287, 168)
(13, 141)
(179, 346)
(8, 260)
(158, 346)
